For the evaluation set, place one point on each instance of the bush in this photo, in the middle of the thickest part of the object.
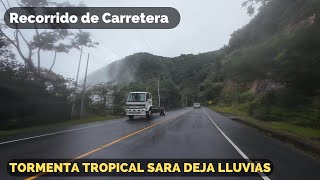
(27, 99)
(246, 97)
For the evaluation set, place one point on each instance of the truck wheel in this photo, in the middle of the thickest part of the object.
(131, 117)
(149, 114)
(162, 112)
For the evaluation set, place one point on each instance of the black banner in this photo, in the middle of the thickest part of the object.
(92, 17)
(139, 167)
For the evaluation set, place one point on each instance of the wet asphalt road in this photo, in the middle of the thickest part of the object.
(185, 133)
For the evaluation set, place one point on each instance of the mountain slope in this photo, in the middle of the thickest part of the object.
(145, 66)
(270, 68)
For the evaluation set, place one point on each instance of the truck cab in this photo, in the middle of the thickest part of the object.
(139, 104)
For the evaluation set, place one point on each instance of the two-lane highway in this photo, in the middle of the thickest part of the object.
(184, 133)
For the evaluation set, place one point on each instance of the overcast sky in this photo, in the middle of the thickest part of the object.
(205, 26)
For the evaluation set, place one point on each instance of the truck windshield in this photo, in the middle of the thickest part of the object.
(136, 97)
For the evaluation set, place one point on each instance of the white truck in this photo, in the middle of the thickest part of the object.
(140, 104)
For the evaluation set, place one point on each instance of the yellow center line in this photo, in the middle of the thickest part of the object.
(112, 143)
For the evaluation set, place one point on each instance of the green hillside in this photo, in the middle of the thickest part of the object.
(270, 68)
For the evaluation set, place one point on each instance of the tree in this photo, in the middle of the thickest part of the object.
(8, 66)
(101, 93)
(18, 35)
(29, 95)
(251, 5)
(80, 40)
(24, 101)
(118, 99)
(83, 39)
(55, 40)
(169, 94)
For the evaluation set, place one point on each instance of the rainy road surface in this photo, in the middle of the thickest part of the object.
(185, 133)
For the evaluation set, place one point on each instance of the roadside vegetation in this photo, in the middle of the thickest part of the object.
(271, 72)
(31, 95)
(307, 133)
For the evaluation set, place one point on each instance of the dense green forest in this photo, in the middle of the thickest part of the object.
(270, 69)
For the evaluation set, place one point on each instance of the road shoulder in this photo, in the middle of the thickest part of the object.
(302, 144)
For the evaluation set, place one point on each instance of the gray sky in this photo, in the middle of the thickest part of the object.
(205, 26)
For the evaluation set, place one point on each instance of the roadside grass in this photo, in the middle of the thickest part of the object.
(308, 133)
(39, 128)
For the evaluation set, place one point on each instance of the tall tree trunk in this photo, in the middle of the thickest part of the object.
(39, 65)
(16, 43)
(76, 85)
(105, 102)
(54, 60)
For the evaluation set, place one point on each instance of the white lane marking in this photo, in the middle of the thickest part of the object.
(59, 132)
(244, 156)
